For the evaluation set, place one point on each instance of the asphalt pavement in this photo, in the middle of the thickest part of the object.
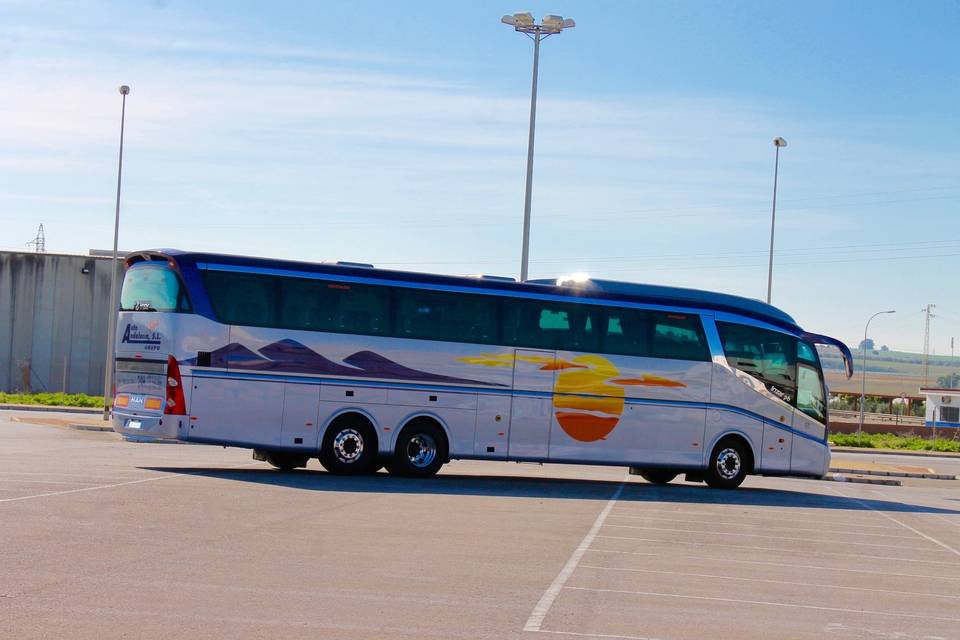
(101, 538)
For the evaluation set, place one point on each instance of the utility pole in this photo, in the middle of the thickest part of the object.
(113, 308)
(926, 342)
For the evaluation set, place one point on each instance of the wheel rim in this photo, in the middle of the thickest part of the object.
(728, 463)
(348, 446)
(421, 450)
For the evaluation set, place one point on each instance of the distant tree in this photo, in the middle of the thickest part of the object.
(884, 348)
(949, 381)
(868, 343)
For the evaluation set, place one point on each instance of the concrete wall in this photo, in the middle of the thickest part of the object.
(53, 321)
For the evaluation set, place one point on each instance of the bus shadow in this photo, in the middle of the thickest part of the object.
(455, 484)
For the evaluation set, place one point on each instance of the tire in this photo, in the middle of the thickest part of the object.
(349, 446)
(420, 452)
(728, 465)
(658, 476)
(286, 461)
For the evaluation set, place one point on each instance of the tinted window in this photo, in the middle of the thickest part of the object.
(242, 298)
(628, 332)
(320, 305)
(152, 288)
(435, 315)
(679, 336)
(949, 414)
(549, 325)
(810, 393)
(768, 356)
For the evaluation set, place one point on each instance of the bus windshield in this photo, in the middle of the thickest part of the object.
(152, 288)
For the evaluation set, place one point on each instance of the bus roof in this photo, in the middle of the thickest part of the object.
(595, 289)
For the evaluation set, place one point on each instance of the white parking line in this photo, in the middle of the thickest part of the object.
(771, 514)
(783, 564)
(789, 605)
(850, 556)
(26, 481)
(757, 535)
(110, 486)
(902, 524)
(590, 635)
(768, 581)
(535, 621)
(766, 528)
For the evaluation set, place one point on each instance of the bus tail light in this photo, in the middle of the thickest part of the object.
(175, 400)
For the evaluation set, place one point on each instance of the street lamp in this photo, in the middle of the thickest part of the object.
(777, 142)
(863, 373)
(112, 315)
(525, 24)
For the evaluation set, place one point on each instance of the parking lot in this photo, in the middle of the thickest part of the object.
(105, 539)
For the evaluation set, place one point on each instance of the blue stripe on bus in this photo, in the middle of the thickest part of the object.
(245, 375)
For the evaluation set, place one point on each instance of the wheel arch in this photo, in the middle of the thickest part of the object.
(344, 412)
(738, 435)
(428, 416)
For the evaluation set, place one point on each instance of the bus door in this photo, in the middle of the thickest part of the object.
(531, 409)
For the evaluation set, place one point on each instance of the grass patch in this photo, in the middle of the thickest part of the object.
(893, 441)
(59, 399)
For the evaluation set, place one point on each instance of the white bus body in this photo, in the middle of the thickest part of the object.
(715, 393)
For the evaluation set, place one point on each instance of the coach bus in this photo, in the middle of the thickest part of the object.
(367, 368)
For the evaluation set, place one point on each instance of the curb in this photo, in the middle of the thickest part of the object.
(89, 427)
(896, 452)
(896, 474)
(50, 408)
(839, 477)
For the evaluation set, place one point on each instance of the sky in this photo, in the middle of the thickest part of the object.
(395, 133)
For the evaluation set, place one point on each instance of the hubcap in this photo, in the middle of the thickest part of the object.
(348, 446)
(728, 464)
(421, 450)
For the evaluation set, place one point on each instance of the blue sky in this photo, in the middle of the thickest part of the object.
(396, 134)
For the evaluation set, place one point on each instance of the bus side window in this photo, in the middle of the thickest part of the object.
(436, 315)
(679, 336)
(550, 325)
(242, 298)
(768, 356)
(628, 332)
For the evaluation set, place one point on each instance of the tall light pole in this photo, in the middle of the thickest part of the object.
(777, 142)
(112, 311)
(863, 373)
(525, 24)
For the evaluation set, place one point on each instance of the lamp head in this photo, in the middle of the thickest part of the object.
(779, 142)
(124, 89)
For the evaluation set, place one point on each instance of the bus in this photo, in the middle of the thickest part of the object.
(367, 368)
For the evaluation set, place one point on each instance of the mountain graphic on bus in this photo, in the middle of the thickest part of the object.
(290, 356)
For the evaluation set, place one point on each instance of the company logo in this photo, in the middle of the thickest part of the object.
(133, 334)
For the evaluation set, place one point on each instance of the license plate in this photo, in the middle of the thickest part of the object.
(133, 424)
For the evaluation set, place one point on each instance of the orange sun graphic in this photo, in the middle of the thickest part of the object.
(588, 397)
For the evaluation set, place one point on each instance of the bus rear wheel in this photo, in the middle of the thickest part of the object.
(349, 446)
(420, 452)
(728, 465)
(658, 476)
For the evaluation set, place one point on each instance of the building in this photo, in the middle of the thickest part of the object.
(943, 407)
(53, 321)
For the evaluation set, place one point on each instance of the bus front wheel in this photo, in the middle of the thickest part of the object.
(420, 452)
(349, 446)
(729, 464)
